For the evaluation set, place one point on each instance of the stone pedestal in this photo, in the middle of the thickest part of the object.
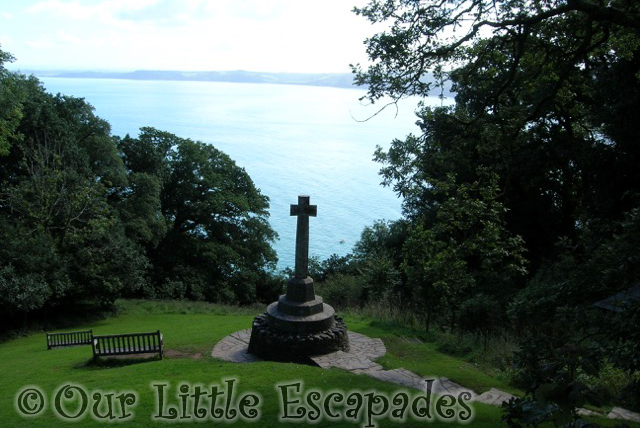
(297, 326)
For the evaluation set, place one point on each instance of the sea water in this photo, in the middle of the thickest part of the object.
(292, 140)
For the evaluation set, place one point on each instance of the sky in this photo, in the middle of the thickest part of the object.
(192, 35)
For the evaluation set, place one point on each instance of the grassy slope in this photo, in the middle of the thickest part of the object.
(26, 361)
(424, 359)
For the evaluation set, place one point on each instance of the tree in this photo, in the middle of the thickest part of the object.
(537, 103)
(531, 79)
(546, 93)
(217, 240)
(60, 237)
(11, 98)
(462, 250)
(492, 40)
(378, 258)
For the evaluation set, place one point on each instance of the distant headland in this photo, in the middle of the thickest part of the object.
(335, 80)
(338, 80)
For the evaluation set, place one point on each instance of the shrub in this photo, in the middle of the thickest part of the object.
(342, 291)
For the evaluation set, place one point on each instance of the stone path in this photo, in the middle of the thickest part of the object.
(620, 413)
(234, 348)
(361, 360)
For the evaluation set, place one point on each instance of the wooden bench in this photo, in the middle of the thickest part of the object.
(71, 338)
(127, 344)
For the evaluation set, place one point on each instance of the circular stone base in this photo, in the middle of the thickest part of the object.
(274, 344)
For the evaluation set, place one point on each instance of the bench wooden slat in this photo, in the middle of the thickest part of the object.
(128, 343)
(71, 338)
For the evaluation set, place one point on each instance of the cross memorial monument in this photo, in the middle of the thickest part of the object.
(303, 211)
(299, 324)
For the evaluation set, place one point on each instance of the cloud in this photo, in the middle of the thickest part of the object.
(258, 35)
(161, 12)
(77, 10)
(69, 10)
(5, 39)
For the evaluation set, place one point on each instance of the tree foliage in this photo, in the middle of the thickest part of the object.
(535, 166)
(537, 102)
(208, 233)
(85, 216)
(11, 98)
(538, 107)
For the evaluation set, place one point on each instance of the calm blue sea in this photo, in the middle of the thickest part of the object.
(292, 140)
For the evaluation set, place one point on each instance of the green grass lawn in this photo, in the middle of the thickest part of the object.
(190, 330)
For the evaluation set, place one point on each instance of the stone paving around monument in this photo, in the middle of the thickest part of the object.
(361, 360)
(234, 348)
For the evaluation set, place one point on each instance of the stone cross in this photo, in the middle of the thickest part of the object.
(303, 210)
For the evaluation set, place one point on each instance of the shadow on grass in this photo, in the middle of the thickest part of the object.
(61, 317)
(111, 362)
